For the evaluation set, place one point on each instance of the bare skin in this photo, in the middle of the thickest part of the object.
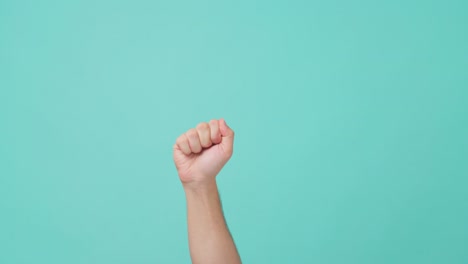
(199, 155)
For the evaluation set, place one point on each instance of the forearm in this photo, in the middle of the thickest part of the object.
(209, 238)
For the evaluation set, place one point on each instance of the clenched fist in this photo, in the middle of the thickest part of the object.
(201, 152)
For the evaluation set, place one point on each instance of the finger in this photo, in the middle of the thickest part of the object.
(214, 132)
(183, 145)
(203, 130)
(225, 130)
(194, 140)
(227, 134)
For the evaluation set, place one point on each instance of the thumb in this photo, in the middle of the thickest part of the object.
(227, 136)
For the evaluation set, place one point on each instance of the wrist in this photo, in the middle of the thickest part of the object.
(200, 187)
(203, 197)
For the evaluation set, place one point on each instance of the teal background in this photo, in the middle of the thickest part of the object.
(351, 122)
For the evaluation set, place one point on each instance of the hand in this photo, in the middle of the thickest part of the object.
(201, 152)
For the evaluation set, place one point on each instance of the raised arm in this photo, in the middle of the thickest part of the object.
(199, 155)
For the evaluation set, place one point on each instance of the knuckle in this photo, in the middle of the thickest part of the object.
(181, 139)
(203, 126)
(191, 132)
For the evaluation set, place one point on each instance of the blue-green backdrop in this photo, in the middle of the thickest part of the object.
(351, 120)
